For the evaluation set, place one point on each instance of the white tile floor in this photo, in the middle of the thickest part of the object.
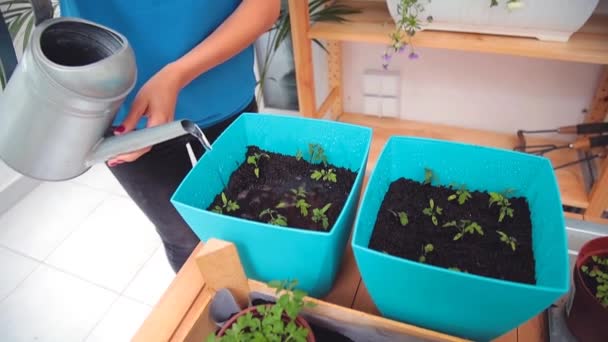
(78, 262)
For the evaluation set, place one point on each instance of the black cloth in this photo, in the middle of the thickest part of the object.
(152, 179)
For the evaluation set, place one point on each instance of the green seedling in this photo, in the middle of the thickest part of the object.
(299, 192)
(464, 227)
(299, 155)
(597, 269)
(326, 175)
(429, 176)
(254, 159)
(402, 216)
(426, 249)
(303, 206)
(503, 202)
(433, 211)
(227, 205)
(317, 154)
(274, 217)
(461, 194)
(299, 195)
(275, 322)
(454, 269)
(509, 240)
(318, 215)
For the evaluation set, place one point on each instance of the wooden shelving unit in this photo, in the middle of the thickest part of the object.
(373, 25)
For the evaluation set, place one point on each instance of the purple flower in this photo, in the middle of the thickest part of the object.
(401, 49)
(413, 56)
(386, 57)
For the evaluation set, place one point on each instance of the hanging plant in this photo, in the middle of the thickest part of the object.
(411, 20)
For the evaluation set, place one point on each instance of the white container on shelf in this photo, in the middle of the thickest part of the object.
(550, 20)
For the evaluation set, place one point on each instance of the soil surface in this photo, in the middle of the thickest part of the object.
(278, 176)
(591, 282)
(484, 255)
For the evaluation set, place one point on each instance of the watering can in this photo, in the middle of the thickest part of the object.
(63, 96)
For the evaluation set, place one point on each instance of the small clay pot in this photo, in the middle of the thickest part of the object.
(301, 322)
(586, 318)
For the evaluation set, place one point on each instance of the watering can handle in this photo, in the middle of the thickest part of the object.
(43, 10)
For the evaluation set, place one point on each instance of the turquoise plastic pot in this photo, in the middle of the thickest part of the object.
(270, 252)
(462, 304)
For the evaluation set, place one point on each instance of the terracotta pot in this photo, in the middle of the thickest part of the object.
(586, 318)
(301, 322)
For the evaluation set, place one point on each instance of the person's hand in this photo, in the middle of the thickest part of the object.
(156, 99)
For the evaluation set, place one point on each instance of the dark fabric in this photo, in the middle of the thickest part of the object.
(152, 179)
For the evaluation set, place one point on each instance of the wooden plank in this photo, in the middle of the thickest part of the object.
(197, 324)
(511, 336)
(364, 303)
(342, 314)
(598, 199)
(570, 179)
(599, 106)
(329, 102)
(219, 263)
(573, 215)
(302, 54)
(374, 24)
(347, 280)
(167, 314)
(535, 330)
(334, 61)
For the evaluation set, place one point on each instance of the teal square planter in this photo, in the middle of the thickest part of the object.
(270, 252)
(461, 304)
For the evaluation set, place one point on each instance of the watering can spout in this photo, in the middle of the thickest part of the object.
(110, 147)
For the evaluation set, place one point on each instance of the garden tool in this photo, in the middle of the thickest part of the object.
(579, 144)
(63, 96)
(592, 128)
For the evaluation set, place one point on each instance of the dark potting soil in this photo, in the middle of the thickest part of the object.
(278, 175)
(484, 255)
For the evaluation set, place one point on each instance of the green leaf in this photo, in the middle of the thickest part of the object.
(428, 248)
(256, 171)
(264, 212)
(502, 215)
(325, 208)
(403, 219)
(224, 199)
(427, 211)
(252, 160)
(428, 176)
(282, 205)
(449, 224)
(298, 155)
(439, 210)
(217, 209)
(434, 219)
(454, 269)
(422, 258)
(503, 236)
(452, 197)
(332, 177)
(325, 221)
(457, 236)
(463, 197)
(316, 175)
(432, 203)
(513, 245)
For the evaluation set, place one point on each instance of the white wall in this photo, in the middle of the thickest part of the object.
(476, 90)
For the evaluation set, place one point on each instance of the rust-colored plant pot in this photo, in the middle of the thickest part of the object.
(301, 322)
(586, 318)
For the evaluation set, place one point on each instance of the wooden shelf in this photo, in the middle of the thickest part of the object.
(374, 23)
(570, 179)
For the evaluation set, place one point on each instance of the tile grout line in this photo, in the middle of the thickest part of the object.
(110, 192)
(122, 293)
(21, 282)
(104, 315)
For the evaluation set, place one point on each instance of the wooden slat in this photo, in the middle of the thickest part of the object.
(535, 330)
(302, 54)
(374, 24)
(598, 199)
(168, 313)
(599, 106)
(354, 317)
(334, 95)
(570, 179)
(197, 324)
(511, 336)
(334, 61)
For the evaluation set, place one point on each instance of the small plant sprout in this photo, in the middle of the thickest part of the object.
(318, 215)
(461, 194)
(254, 159)
(326, 175)
(317, 154)
(298, 155)
(433, 211)
(429, 176)
(509, 240)
(598, 270)
(426, 249)
(274, 217)
(228, 205)
(303, 206)
(464, 227)
(503, 203)
(299, 192)
(454, 269)
(402, 216)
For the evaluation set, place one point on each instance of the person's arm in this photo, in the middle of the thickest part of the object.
(158, 97)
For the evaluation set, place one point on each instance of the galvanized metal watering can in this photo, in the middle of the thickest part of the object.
(63, 96)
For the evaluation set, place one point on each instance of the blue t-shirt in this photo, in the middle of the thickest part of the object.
(161, 31)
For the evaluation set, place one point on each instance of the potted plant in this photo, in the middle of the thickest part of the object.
(459, 238)
(284, 189)
(587, 308)
(543, 19)
(280, 321)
